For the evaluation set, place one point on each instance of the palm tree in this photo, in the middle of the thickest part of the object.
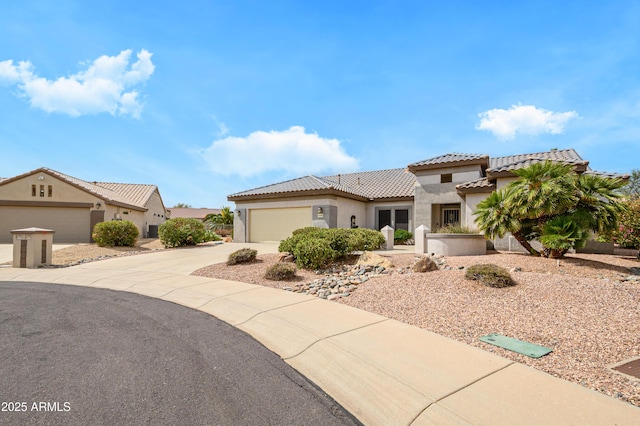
(550, 202)
(218, 220)
(495, 218)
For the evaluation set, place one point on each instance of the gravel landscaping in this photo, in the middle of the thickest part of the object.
(585, 307)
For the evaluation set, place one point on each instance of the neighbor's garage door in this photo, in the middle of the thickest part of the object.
(71, 225)
(269, 225)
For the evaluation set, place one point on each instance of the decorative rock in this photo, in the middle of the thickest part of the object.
(424, 264)
(373, 259)
(286, 257)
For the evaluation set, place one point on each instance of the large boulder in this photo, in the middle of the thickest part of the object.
(425, 264)
(373, 259)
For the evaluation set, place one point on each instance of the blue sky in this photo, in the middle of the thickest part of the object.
(209, 98)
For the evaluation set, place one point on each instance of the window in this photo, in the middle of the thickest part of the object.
(33, 190)
(42, 190)
(446, 178)
(50, 190)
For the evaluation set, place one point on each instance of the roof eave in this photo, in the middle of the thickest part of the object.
(482, 161)
(290, 194)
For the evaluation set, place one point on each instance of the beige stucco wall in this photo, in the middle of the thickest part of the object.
(20, 190)
(348, 208)
(345, 209)
(458, 174)
(470, 203)
(155, 215)
(502, 182)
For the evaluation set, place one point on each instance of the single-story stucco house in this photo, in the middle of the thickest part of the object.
(191, 212)
(45, 198)
(436, 192)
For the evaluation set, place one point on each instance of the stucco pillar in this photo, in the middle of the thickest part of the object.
(420, 237)
(240, 226)
(387, 232)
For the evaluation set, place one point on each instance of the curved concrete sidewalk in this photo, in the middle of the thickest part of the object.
(383, 371)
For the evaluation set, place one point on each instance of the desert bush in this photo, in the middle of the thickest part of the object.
(244, 255)
(456, 229)
(210, 235)
(119, 233)
(627, 234)
(316, 247)
(182, 231)
(281, 272)
(490, 275)
(363, 239)
(313, 253)
(401, 236)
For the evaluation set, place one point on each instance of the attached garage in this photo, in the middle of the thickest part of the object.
(71, 224)
(273, 225)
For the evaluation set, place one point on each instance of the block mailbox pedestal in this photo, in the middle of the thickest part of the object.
(32, 247)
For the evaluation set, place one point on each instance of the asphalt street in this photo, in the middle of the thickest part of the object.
(77, 356)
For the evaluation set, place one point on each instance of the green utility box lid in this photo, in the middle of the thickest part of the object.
(515, 345)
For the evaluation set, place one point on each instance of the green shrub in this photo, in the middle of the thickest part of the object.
(313, 253)
(281, 272)
(363, 239)
(315, 247)
(490, 275)
(244, 255)
(401, 236)
(182, 231)
(628, 233)
(119, 233)
(210, 235)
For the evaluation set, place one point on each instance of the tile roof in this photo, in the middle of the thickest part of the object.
(478, 185)
(400, 183)
(379, 184)
(452, 159)
(137, 194)
(125, 195)
(564, 155)
(189, 212)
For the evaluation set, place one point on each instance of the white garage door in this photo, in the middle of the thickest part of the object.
(272, 225)
(71, 225)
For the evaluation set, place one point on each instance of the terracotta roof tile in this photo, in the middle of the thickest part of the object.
(379, 184)
(190, 212)
(451, 158)
(476, 185)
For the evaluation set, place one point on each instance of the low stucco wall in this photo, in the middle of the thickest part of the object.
(456, 244)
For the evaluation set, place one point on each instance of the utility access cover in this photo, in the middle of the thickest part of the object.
(630, 368)
(515, 345)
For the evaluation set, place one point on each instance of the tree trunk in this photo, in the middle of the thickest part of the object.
(524, 243)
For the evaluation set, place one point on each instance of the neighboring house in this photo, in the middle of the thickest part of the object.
(436, 192)
(45, 198)
(191, 213)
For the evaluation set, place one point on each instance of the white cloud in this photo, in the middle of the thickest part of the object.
(107, 85)
(523, 119)
(292, 150)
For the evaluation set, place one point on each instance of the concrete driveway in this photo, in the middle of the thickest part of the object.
(382, 371)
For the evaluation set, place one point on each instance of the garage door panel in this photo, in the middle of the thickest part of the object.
(71, 225)
(272, 225)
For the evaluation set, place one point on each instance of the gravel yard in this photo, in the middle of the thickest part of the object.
(583, 307)
(81, 253)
